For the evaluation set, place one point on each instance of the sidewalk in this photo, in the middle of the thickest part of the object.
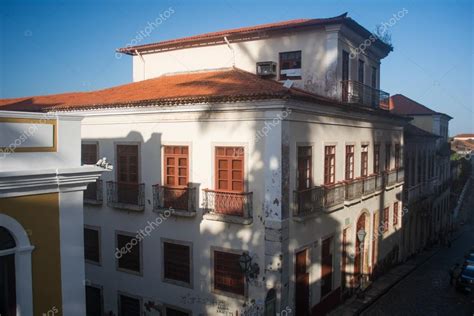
(354, 305)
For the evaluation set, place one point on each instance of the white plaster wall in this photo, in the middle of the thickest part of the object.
(68, 149)
(152, 131)
(71, 218)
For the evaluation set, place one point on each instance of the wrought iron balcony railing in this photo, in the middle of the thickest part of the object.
(308, 201)
(369, 184)
(176, 198)
(130, 196)
(228, 203)
(333, 194)
(390, 177)
(363, 95)
(94, 193)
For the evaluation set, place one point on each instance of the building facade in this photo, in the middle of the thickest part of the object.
(41, 214)
(265, 175)
(428, 173)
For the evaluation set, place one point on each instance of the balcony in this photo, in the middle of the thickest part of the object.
(354, 189)
(93, 195)
(329, 197)
(400, 175)
(127, 196)
(360, 94)
(223, 205)
(179, 200)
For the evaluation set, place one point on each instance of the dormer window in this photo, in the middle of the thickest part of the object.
(290, 65)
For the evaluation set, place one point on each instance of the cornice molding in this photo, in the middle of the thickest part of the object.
(33, 182)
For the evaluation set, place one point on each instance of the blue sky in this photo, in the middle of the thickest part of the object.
(61, 46)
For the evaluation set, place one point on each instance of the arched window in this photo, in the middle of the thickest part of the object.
(7, 273)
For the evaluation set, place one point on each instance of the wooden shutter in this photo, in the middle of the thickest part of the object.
(386, 212)
(364, 161)
(127, 163)
(176, 165)
(326, 266)
(93, 301)
(130, 260)
(230, 169)
(228, 276)
(388, 148)
(304, 168)
(91, 245)
(129, 306)
(349, 162)
(329, 164)
(376, 159)
(395, 214)
(177, 262)
(89, 154)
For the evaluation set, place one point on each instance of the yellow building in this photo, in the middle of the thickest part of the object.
(41, 215)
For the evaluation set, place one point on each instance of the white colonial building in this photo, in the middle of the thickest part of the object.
(233, 192)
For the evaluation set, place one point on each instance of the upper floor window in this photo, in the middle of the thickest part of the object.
(395, 214)
(176, 166)
(345, 65)
(397, 156)
(360, 74)
(230, 169)
(127, 163)
(304, 167)
(89, 154)
(228, 275)
(92, 245)
(349, 162)
(388, 149)
(329, 164)
(364, 161)
(385, 219)
(290, 65)
(376, 158)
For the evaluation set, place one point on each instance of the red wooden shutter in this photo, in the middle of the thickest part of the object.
(376, 159)
(326, 266)
(177, 262)
(395, 214)
(386, 212)
(230, 169)
(176, 160)
(228, 275)
(127, 163)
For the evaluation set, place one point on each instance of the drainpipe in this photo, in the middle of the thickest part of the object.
(143, 62)
(231, 49)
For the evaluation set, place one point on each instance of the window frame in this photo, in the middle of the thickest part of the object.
(119, 305)
(140, 257)
(216, 169)
(376, 163)
(99, 248)
(101, 289)
(89, 143)
(329, 166)
(281, 76)
(212, 285)
(117, 177)
(176, 165)
(395, 214)
(332, 248)
(386, 219)
(191, 270)
(309, 159)
(349, 170)
(364, 160)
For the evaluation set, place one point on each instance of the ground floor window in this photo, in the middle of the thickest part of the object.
(129, 306)
(94, 301)
(228, 275)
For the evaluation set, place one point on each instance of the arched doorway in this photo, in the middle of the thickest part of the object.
(360, 245)
(270, 303)
(7, 273)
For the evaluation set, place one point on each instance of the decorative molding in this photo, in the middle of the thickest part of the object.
(32, 182)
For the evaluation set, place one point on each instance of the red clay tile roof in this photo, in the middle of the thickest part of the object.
(209, 86)
(464, 136)
(249, 32)
(401, 104)
(412, 130)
